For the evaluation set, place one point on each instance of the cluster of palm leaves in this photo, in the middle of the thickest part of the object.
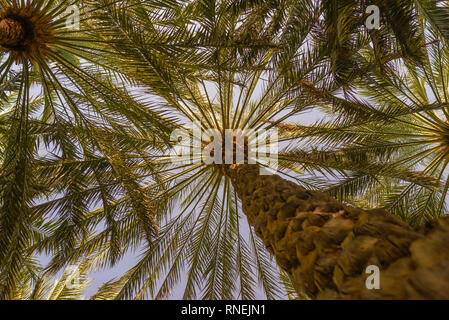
(85, 124)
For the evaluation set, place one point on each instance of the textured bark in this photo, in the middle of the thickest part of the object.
(12, 32)
(326, 246)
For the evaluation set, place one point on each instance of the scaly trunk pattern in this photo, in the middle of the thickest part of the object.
(12, 32)
(326, 246)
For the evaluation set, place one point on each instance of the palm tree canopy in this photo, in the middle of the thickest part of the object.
(87, 113)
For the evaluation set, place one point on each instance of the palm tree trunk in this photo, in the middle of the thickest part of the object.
(12, 32)
(326, 246)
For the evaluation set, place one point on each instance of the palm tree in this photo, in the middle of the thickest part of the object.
(107, 148)
(64, 125)
(415, 139)
(192, 238)
(85, 139)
